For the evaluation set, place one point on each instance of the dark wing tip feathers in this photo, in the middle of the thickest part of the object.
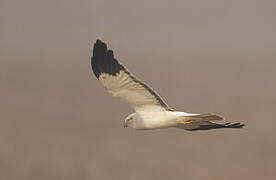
(103, 60)
(98, 41)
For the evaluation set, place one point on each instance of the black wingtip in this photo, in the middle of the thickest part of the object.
(103, 60)
(110, 54)
(99, 42)
(99, 49)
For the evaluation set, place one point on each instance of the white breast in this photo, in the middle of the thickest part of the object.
(154, 118)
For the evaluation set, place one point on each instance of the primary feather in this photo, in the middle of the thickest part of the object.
(120, 82)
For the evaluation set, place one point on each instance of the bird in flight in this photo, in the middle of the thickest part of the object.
(151, 112)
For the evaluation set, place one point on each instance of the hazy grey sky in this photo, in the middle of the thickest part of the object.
(57, 122)
(41, 26)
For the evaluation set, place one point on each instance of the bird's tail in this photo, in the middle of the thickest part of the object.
(204, 122)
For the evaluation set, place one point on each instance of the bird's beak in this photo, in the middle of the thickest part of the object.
(125, 125)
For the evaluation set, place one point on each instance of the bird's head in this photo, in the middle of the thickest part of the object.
(129, 121)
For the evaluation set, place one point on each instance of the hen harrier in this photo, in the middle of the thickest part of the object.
(151, 112)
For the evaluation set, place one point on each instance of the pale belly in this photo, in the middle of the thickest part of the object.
(154, 120)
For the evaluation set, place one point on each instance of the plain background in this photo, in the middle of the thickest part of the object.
(58, 122)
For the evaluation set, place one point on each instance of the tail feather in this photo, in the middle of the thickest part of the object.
(204, 122)
(207, 125)
(217, 126)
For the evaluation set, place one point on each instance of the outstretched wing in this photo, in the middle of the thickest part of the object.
(120, 82)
